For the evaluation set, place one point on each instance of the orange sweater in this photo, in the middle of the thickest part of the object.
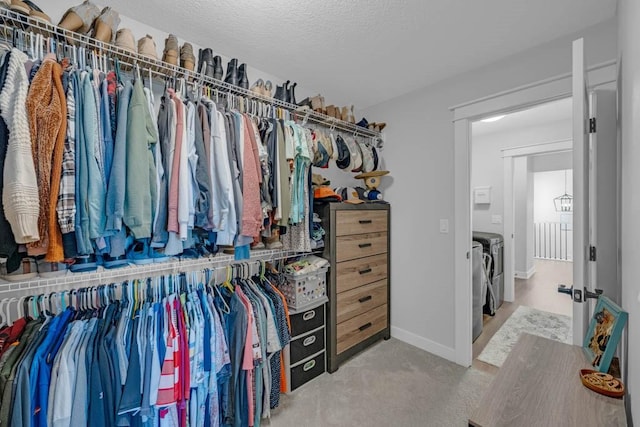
(47, 113)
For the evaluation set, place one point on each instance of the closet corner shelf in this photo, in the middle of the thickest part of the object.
(11, 20)
(106, 276)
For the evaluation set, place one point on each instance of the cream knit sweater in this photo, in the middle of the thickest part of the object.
(20, 193)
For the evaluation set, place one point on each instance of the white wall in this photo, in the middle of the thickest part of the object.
(552, 162)
(419, 155)
(629, 43)
(547, 186)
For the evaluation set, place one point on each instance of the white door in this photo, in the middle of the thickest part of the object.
(595, 215)
(581, 214)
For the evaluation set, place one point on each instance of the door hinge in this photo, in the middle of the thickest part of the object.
(592, 125)
(592, 253)
(467, 255)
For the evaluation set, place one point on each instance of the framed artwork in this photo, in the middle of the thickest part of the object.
(604, 333)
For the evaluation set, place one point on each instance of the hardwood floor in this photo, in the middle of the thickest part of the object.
(540, 291)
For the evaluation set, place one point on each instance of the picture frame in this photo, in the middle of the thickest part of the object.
(605, 329)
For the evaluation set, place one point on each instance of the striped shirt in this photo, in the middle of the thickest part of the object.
(66, 206)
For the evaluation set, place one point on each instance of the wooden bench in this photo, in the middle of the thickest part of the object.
(539, 385)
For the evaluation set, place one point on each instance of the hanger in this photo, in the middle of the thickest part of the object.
(225, 306)
(2, 314)
(8, 311)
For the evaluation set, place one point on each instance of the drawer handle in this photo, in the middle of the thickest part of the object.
(309, 340)
(364, 245)
(365, 221)
(365, 299)
(365, 271)
(309, 315)
(367, 326)
(309, 365)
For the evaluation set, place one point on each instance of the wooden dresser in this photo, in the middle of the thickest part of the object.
(357, 246)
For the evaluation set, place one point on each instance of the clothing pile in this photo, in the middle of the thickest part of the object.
(194, 356)
(90, 174)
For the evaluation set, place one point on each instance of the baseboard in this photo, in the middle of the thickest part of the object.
(525, 275)
(424, 344)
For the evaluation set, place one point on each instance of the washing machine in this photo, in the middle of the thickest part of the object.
(493, 245)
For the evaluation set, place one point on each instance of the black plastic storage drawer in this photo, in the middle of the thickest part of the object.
(307, 320)
(307, 371)
(305, 346)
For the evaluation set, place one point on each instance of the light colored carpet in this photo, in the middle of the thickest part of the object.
(389, 384)
(526, 319)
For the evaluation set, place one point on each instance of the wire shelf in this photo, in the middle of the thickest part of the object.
(10, 20)
(136, 272)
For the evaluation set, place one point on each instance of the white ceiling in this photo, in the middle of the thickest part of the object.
(367, 51)
(551, 112)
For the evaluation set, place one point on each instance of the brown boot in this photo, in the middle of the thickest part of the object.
(80, 18)
(170, 54)
(106, 25)
(187, 58)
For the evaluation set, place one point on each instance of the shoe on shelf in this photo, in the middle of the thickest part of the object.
(51, 269)
(243, 79)
(344, 114)
(84, 263)
(205, 62)
(138, 253)
(268, 89)
(363, 123)
(258, 87)
(232, 73)
(28, 269)
(333, 111)
(187, 58)
(106, 25)
(125, 40)
(291, 94)
(305, 104)
(27, 7)
(317, 104)
(377, 127)
(218, 72)
(79, 18)
(147, 47)
(281, 92)
(352, 116)
(171, 50)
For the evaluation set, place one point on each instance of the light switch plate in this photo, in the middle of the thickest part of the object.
(444, 225)
(496, 219)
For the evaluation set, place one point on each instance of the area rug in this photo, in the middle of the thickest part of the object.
(526, 319)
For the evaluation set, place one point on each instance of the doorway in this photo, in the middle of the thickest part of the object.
(510, 154)
(463, 115)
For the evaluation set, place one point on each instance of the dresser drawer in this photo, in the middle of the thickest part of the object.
(358, 272)
(307, 371)
(358, 329)
(307, 320)
(360, 245)
(360, 221)
(360, 300)
(305, 346)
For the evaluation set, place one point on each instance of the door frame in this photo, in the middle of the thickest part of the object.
(519, 98)
(508, 156)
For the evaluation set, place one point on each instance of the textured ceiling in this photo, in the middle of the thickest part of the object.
(552, 112)
(366, 51)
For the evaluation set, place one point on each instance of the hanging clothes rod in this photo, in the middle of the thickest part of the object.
(135, 272)
(10, 21)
